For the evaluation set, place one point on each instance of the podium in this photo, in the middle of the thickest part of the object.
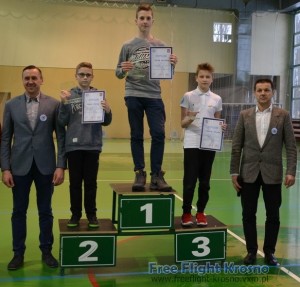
(200, 243)
(152, 212)
(146, 212)
(140, 213)
(85, 247)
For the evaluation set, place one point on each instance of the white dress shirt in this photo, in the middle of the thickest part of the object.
(262, 123)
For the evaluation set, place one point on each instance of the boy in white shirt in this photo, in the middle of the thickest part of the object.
(195, 105)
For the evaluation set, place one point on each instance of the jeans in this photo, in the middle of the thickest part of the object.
(272, 200)
(197, 166)
(83, 167)
(156, 117)
(21, 191)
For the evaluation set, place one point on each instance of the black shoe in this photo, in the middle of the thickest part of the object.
(158, 182)
(93, 222)
(250, 259)
(74, 221)
(49, 260)
(16, 263)
(139, 181)
(271, 260)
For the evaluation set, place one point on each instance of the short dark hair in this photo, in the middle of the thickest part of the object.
(143, 7)
(84, 65)
(32, 67)
(262, 81)
(205, 66)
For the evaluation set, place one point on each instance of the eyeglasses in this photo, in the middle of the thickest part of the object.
(82, 75)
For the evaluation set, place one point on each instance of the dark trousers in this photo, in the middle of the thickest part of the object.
(272, 199)
(21, 191)
(83, 168)
(197, 166)
(156, 117)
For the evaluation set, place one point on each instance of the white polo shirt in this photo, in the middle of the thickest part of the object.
(206, 104)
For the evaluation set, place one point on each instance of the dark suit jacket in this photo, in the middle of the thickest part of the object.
(248, 158)
(20, 144)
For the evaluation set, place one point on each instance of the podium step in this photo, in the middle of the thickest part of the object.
(196, 243)
(212, 224)
(105, 227)
(126, 189)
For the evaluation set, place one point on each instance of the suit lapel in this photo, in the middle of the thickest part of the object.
(41, 111)
(23, 110)
(252, 124)
(273, 124)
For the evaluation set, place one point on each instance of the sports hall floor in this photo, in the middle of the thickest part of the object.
(134, 252)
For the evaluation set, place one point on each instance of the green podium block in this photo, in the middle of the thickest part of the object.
(201, 244)
(84, 247)
(148, 211)
(84, 250)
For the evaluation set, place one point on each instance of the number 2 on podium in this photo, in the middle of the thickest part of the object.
(85, 257)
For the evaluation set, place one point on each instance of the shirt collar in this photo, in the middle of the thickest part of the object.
(201, 93)
(269, 109)
(29, 99)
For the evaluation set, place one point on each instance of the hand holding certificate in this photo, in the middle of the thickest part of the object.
(160, 65)
(92, 110)
(212, 134)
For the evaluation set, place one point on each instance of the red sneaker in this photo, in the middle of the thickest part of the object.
(186, 219)
(201, 219)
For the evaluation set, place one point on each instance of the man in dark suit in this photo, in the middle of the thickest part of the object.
(257, 144)
(28, 155)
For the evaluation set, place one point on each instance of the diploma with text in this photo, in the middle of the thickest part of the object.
(92, 111)
(212, 134)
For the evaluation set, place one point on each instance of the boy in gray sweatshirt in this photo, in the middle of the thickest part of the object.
(143, 96)
(83, 146)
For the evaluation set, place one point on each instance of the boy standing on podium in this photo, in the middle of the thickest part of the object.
(195, 105)
(83, 146)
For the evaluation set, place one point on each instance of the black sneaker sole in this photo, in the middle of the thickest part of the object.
(155, 188)
(15, 267)
(201, 224)
(50, 265)
(138, 188)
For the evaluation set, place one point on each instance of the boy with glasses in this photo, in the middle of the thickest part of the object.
(83, 146)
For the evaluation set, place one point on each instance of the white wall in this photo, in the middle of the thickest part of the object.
(271, 48)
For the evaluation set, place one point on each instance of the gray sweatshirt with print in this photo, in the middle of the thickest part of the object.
(137, 82)
(80, 136)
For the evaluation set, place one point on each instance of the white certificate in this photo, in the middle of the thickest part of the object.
(212, 134)
(92, 111)
(160, 66)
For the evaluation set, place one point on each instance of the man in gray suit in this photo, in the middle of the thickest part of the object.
(27, 156)
(257, 144)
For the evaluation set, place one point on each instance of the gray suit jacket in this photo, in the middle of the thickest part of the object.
(248, 158)
(20, 144)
